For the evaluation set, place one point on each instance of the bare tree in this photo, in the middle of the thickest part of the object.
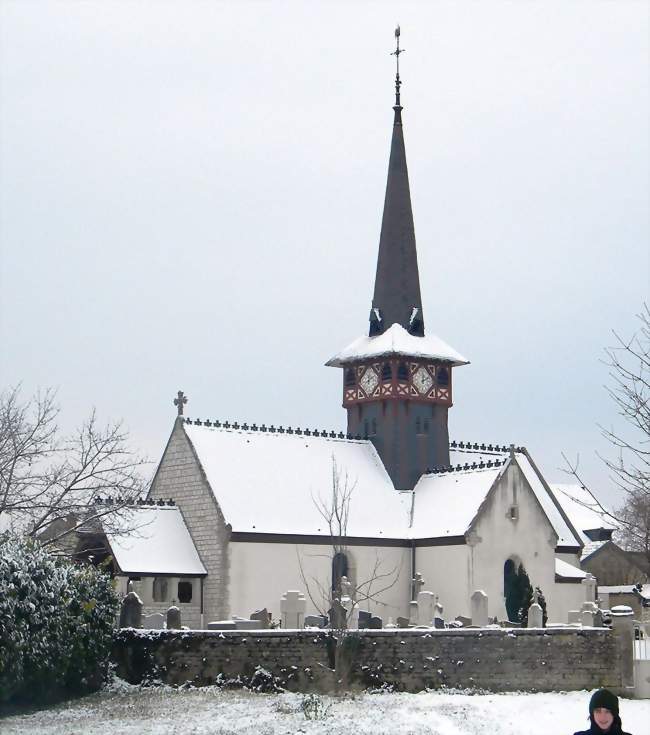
(629, 369)
(339, 600)
(51, 485)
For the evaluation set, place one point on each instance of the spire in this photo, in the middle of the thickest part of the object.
(397, 284)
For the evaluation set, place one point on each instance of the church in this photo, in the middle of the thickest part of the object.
(239, 514)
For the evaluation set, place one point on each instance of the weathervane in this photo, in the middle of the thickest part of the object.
(398, 83)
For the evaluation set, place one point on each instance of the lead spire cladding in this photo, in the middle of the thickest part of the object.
(396, 298)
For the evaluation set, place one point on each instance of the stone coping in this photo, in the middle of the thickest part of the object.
(366, 632)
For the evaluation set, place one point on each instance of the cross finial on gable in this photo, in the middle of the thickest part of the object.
(180, 401)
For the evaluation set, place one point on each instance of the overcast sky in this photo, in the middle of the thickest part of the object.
(191, 198)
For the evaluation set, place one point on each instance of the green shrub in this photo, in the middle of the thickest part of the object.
(56, 623)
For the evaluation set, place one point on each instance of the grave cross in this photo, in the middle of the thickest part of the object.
(180, 401)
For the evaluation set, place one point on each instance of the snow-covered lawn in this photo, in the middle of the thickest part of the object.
(125, 709)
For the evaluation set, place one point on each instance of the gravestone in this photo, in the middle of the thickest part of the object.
(131, 610)
(153, 622)
(222, 625)
(263, 616)
(402, 622)
(438, 622)
(464, 621)
(375, 623)
(479, 609)
(426, 604)
(173, 618)
(292, 608)
(573, 617)
(315, 621)
(589, 588)
(535, 616)
(244, 624)
(364, 619)
(337, 615)
(598, 619)
(413, 612)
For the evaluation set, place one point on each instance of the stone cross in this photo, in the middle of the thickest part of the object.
(418, 584)
(292, 607)
(180, 401)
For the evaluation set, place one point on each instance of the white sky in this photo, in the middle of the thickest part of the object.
(191, 197)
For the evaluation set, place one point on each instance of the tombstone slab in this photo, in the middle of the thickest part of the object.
(375, 623)
(403, 622)
(263, 616)
(438, 623)
(222, 625)
(131, 610)
(535, 616)
(479, 608)
(315, 621)
(173, 618)
(364, 619)
(154, 621)
(426, 604)
(243, 624)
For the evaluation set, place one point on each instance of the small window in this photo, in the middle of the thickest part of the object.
(443, 376)
(350, 377)
(185, 591)
(159, 589)
(402, 371)
(386, 372)
(513, 512)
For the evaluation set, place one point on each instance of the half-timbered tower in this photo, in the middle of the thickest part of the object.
(397, 382)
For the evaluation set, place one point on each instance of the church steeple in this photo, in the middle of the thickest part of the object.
(396, 298)
(397, 383)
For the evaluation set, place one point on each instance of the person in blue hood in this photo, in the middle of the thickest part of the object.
(603, 715)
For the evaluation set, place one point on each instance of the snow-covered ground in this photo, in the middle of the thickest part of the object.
(210, 711)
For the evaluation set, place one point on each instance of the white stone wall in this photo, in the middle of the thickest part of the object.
(530, 539)
(180, 476)
(446, 573)
(261, 572)
(190, 611)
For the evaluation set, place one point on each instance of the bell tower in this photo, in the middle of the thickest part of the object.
(397, 382)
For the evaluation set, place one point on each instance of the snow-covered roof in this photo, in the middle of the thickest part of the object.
(582, 508)
(624, 589)
(397, 341)
(566, 537)
(160, 543)
(568, 571)
(591, 547)
(445, 504)
(271, 482)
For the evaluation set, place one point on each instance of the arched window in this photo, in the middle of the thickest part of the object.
(350, 377)
(425, 427)
(443, 376)
(184, 591)
(402, 371)
(340, 568)
(159, 589)
(386, 372)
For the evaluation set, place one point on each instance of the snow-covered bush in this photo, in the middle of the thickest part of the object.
(56, 622)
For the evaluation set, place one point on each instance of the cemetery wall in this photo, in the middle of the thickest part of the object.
(282, 565)
(408, 659)
(181, 477)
